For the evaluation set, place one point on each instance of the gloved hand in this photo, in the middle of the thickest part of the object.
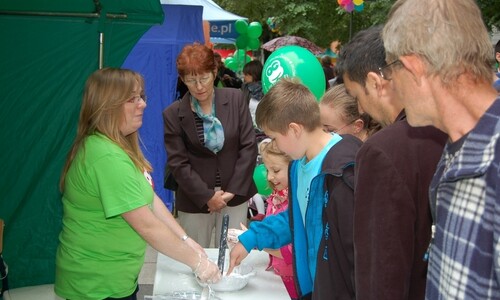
(232, 235)
(207, 271)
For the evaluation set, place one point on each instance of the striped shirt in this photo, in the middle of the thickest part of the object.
(464, 259)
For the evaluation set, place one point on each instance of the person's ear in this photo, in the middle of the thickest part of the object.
(375, 82)
(415, 66)
(295, 129)
(359, 124)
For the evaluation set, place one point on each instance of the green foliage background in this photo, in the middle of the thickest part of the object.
(322, 21)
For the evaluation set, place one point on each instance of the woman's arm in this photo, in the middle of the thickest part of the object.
(156, 233)
(162, 213)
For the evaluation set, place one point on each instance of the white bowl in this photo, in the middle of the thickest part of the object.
(237, 280)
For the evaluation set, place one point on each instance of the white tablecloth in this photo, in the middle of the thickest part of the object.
(173, 276)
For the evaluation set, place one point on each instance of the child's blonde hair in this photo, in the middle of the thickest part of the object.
(337, 97)
(268, 148)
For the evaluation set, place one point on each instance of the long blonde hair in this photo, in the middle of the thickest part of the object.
(106, 92)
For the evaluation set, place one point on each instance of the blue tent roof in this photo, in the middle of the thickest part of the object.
(221, 21)
(211, 11)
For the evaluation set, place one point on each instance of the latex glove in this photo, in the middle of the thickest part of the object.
(232, 235)
(207, 271)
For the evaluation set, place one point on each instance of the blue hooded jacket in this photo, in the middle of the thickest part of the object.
(314, 254)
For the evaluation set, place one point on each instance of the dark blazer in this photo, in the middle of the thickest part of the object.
(194, 167)
(392, 219)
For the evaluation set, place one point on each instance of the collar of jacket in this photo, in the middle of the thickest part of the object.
(221, 100)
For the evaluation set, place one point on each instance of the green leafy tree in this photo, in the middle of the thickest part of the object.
(323, 21)
(491, 13)
(320, 21)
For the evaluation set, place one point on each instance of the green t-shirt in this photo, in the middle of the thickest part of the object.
(99, 254)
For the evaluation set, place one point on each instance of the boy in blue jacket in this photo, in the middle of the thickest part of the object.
(319, 217)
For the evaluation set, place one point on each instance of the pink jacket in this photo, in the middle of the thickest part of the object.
(276, 203)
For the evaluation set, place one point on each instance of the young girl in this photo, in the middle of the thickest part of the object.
(339, 113)
(276, 163)
(252, 86)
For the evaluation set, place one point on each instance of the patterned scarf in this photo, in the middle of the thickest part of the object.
(212, 128)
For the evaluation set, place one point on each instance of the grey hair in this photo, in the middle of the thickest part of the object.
(449, 35)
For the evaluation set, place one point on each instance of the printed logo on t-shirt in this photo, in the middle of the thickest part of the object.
(149, 178)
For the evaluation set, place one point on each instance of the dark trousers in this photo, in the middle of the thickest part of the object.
(131, 297)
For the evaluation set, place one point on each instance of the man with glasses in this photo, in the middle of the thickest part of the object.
(392, 220)
(444, 80)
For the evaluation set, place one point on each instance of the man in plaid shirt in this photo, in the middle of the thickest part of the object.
(441, 58)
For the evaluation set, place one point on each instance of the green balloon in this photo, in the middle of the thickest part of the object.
(231, 63)
(242, 41)
(254, 30)
(294, 61)
(254, 43)
(260, 180)
(241, 26)
(239, 54)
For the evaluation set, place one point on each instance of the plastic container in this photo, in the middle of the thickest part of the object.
(236, 281)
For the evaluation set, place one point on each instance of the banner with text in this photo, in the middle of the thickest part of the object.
(223, 29)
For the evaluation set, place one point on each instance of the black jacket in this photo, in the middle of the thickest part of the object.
(334, 278)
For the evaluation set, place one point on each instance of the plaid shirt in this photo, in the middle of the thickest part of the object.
(464, 259)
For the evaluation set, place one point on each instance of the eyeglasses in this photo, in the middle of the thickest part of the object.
(327, 129)
(203, 81)
(137, 99)
(386, 71)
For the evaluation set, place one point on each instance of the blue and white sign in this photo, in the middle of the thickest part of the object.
(223, 29)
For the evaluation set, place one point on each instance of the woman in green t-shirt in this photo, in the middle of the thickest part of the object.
(110, 208)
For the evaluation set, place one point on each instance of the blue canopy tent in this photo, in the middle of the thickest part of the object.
(154, 57)
(222, 29)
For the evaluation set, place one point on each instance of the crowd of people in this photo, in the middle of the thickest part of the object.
(393, 170)
(385, 189)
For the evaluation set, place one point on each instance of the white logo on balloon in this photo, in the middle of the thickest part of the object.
(274, 71)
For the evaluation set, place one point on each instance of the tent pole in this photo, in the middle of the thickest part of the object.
(101, 49)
